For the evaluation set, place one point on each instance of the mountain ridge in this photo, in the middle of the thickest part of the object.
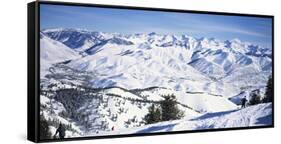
(127, 56)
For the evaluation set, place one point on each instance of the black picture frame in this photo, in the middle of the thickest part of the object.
(33, 117)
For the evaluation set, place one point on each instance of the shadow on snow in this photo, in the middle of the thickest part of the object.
(168, 127)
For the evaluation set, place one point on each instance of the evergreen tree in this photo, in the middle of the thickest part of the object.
(269, 91)
(157, 115)
(169, 108)
(44, 129)
(254, 99)
(153, 116)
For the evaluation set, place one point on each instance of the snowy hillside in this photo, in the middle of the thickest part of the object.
(258, 115)
(94, 82)
(52, 51)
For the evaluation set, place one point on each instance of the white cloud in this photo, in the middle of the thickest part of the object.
(235, 30)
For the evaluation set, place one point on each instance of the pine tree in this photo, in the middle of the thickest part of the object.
(255, 99)
(153, 116)
(157, 115)
(169, 108)
(44, 129)
(269, 91)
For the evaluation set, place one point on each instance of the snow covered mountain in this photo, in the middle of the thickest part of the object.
(52, 51)
(177, 62)
(95, 80)
(75, 38)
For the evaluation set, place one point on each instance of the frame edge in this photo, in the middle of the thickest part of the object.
(32, 118)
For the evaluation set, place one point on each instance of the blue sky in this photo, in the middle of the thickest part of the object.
(250, 29)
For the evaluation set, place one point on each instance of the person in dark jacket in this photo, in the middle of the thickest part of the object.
(61, 131)
(243, 102)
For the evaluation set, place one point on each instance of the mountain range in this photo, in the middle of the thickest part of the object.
(126, 73)
(178, 62)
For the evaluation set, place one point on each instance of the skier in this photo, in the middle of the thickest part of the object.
(112, 128)
(61, 131)
(243, 102)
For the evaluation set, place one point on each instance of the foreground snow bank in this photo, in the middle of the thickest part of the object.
(258, 115)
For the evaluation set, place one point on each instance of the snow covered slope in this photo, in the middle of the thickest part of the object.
(257, 115)
(199, 101)
(52, 51)
(91, 110)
